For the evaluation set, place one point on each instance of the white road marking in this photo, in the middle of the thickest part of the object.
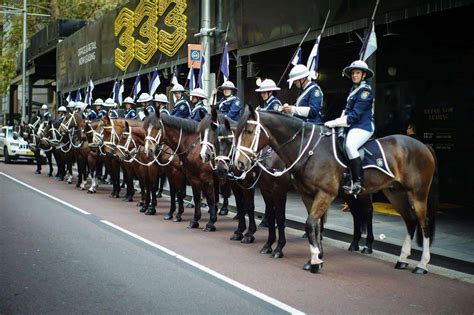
(216, 274)
(46, 194)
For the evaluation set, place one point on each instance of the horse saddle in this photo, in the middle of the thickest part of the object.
(371, 153)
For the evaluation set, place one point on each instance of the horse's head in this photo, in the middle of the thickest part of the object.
(225, 148)
(251, 137)
(207, 129)
(110, 135)
(154, 130)
(52, 134)
(93, 132)
(126, 145)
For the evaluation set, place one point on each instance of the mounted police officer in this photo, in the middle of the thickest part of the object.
(61, 112)
(98, 103)
(309, 103)
(358, 117)
(144, 102)
(111, 105)
(79, 107)
(267, 91)
(197, 97)
(181, 107)
(70, 107)
(161, 102)
(130, 113)
(229, 105)
(89, 113)
(45, 113)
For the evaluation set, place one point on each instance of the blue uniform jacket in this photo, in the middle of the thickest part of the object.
(130, 114)
(150, 109)
(113, 114)
(272, 103)
(312, 96)
(181, 109)
(101, 113)
(47, 116)
(199, 107)
(163, 110)
(230, 107)
(90, 115)
(359, 108)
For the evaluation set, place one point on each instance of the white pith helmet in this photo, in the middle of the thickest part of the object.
(298, 72)
(228, 85)
(358, 65)
(44, 106)
(98, 101)
(177, 88)
(71, 104)
(267, 85)
(198, 92)
(161, 98)
(62, 109)
(110, 103)
(144, 97)
(129, 100)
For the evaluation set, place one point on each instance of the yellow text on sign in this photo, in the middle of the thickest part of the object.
(147, 13)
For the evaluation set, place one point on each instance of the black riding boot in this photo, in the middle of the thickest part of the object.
(357, 175)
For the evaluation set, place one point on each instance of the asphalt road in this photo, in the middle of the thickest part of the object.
(56, 260)
(85, 266)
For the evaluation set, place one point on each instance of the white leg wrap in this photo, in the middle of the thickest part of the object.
(83, 185)
(425, 256)
(406, 249)
(315, 255)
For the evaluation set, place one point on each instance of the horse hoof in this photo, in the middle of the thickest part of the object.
(193, 225)
(305, 235)
(236, 217)
(401, 265)
(209, 228)
(277, 254)
(140, 204)
(249, 239)
(177, 219)
(150, 211)
(189, 205)
(367, 250)
(159, 195)
(420, 271)
(266, 250)
(90, 191)
(236, 237)
(353, 248)
(50, 175)
(316, 268)
(143, 209)
(223, 211)
(168, 217)
(263, 224)
(307, 266)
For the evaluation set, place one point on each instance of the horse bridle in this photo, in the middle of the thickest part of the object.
(114, 138)
(157, 140)
(124, 149)
(253, 149)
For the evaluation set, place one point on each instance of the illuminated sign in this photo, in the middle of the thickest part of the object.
(138, 35)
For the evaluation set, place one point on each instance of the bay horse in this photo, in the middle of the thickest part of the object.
(217, 147)
(131, 150)
(308, 151)
(181, 136)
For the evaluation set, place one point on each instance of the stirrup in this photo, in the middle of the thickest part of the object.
(353, 189)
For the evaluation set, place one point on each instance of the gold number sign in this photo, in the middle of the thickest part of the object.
(170, 43)
(149, 37)
(124, 20)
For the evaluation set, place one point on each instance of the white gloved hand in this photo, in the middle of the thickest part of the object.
(338, 122)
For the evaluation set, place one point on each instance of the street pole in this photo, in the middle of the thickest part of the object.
(23, 67)
(206, 24)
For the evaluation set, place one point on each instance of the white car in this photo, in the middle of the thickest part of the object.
(13, 147)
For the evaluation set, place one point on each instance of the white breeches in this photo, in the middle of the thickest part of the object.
(354, 140)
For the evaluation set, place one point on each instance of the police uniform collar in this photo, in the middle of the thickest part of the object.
(230, 98)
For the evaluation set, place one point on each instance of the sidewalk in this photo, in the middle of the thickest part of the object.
(454, 238)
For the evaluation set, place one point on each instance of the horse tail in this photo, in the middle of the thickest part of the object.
(432, 205)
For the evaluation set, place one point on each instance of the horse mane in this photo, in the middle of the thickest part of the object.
(207, 120)
(286, 119)
(186, 124)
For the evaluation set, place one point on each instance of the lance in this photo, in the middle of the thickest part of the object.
(219, 70)
(293, 57)
(135, 83)
(321, 34)
(366, 39)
